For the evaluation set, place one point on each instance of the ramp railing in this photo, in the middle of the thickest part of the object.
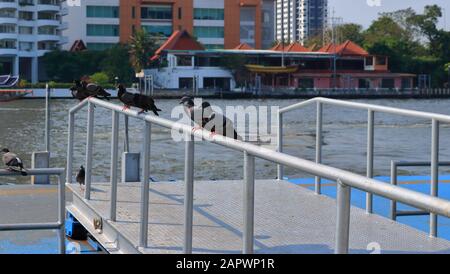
(346, 180)
(371, 109)
(59, 225)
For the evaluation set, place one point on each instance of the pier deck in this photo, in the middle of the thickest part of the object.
(288, 219)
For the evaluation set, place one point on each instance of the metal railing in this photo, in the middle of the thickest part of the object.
(59, 225)
(346, 179)
(394, 213)
(371, 110)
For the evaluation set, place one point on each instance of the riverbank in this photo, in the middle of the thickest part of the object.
(274, 94)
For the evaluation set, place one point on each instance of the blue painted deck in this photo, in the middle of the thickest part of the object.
(381, 205)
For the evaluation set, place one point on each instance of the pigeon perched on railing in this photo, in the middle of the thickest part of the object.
(144, 102)
(82, 90)
(13, 162)
(81, 177)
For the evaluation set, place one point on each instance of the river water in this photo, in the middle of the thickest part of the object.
(396, 138)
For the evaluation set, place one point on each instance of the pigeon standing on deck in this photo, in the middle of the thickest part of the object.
(144, 102)
(12, 162)
(81, 177)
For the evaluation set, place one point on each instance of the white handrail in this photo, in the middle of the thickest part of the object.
(416, 199)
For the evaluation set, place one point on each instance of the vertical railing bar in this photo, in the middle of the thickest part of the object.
(189, 193)
(343, 218)
(434, 173)
(319, 120)
(249, 203)
(89, 146)
(370, 148)
(127, 139)
(280, 167)
(143, 237)
(71, 132)
(393, 214)
(62, 213)
(114, 163)
(47, 118)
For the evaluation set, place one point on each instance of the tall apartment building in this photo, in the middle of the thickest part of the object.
(28, 29)
(216, 23)
(296, 20)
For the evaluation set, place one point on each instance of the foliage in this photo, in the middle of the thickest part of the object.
(236, 65)
(142, 48)
(100, 78)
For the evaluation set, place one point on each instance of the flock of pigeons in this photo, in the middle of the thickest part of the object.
(203, 116)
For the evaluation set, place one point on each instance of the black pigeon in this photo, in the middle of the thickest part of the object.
(146, 103)
(81, 176)
(13, 162)
(78, 91)
(212, 119)
(95, 90)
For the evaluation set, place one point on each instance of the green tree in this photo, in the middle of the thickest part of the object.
(100, 78)
(236, 65)
(118, 64)
(142, 48)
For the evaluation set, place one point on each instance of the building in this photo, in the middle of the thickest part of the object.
(217, 24)
(182, 62)
(29, 29)
(296, 20)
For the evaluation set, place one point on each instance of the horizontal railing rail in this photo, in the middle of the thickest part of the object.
(371, 110)
(346, 179)
(394, 213)
(59, 225)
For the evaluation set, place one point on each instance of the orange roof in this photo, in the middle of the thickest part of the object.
(294, 47)
(179, 40)
(346, 49)
(243, 46)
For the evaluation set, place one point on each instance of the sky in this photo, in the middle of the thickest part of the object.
(364, 12)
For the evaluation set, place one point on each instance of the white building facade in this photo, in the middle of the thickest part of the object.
(296, 20)
(29, 29)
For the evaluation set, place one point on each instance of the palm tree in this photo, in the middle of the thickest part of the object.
(142, 48)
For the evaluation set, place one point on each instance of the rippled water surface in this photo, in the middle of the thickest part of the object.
(396, 138)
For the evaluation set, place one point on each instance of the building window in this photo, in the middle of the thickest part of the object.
(180, 13)
(208, 14)
(133, 12)
(381, 61)
(388, 83)
(102, 30)
(25, 30)
(158, 30)
(213, 46)
(157, 12)
(184, 61)
(209, 32)
(305, 83)
(99, 46)
(102, 11)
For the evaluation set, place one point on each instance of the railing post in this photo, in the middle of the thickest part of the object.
(393, 214)
(434, 173)
(342, 218)
(280, 168)
(89, 145)
(62, 213)
(70, 138)
(370, 147)
(47, 118)
(189, 193)
(319, 116)
(249, 203)
(114, 159)
(143, 237)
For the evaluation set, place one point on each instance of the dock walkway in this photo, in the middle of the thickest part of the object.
(288, 219)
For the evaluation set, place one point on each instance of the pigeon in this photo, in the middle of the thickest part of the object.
(194, 113)
(81, 176)
(217, 123)
(13, 162)
(78, 92)
(144, 102)
(95, 90)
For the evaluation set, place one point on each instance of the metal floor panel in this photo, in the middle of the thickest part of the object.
(288, 219)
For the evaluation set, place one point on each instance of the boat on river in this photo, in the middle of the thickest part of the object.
(8, 92)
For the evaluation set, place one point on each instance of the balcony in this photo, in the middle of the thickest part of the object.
(8, 5)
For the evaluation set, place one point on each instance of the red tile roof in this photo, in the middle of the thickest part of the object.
(345, 49)
(294, 47)
(243, 46)
(78, 45)
(179, 40)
